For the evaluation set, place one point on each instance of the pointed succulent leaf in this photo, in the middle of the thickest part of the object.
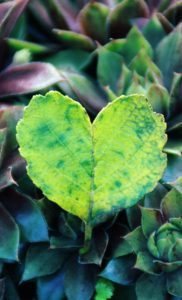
(151, 220)
(74, 39)
(137, 240)
(93, 19)
(171, 204)
(120, 270)
(135, 37)
(122, 249)
(3, 139)
(170, 61)
(9, 236)
(174, 280)
(154, 31)
(152, 247)
(51, 287)
(79, 280)
(24, 79)
(145, 263)
(120, 17)
(108, 61)
(151, 287)
(168, 267)
(153, 199)
(97, 249)
(34, 48)
(79, 186)
(175, 95)
(27, 215)
(176, 251)
(159, 98)
(38, 258)
(174, 167)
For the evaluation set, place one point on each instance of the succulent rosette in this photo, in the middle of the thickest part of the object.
(157, 246)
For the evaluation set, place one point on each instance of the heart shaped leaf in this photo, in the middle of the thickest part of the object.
(92, 170)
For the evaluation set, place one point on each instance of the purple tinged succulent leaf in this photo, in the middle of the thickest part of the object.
(153, 199)
(93, 18)
(28, 78)
(168, 267)
(119, 20)
(11, 15)
(154, 31)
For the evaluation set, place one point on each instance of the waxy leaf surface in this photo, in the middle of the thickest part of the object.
(92, 170)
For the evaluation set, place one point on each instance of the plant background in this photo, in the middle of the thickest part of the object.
(92, 51)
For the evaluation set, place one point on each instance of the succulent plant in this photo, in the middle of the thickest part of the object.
(156, 244)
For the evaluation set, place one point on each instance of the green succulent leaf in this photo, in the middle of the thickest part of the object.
(137, 240)
(51, 287)
(151, 287)
(174, 280)
(153, 31)
(172, 204)
(151, 220)
(120, 270)
(145, 263)
(9, 236)
(67, 155)
(41, 261)
(170, 61)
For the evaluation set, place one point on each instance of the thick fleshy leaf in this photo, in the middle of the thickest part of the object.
(65, 243)
(3, 139)
(34, 48)
(176, 251)
(151, 220)
(145, 263)
(122, 14)
(170, 61)
(74, 40)
(97, 249)
(27, 215)
(137, 240)
(172, 205)
(71, 60)
(135, 37)
(28, 78)
(174, 286)
(51, 287)
(120, 270)
(175, 103)
(2, 288)
(41, 261)
(93, 19)
(153, 31)
(53, 133)
(108, 61)
(9, 236)
(153, 199)
(79, 280)
(151, 287)
(84, 89)
(6, 178)
(122, 249)
(11, 15)
(159, 98)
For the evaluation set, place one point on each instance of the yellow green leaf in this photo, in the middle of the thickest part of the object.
(92, 170)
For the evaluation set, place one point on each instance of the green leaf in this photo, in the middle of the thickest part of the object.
(174, 280)
(137, 240)
(27, 215)
(67, 155)
(93, 21)
(104, 289)
(79, 280)
(151, 220)
(41, 261)
(168, 55)
(172, 204)
(159, 98)
(120, 270)
(16, 44)
(51, 287)
(153, 31)
(9, 236)
(74, 39)
(97, 249)
(151, 287)
(145, 263)
(108, 61)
